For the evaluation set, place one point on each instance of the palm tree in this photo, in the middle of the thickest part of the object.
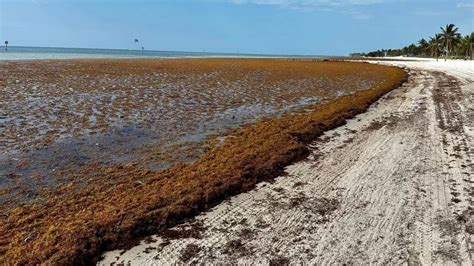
(434, 43)
(466, 45)
(6, 45)
(449, 38)
(412, 49)
(423, 45)
(471, 44)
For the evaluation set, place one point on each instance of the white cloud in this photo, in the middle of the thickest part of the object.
(465, 5)
(313, 4)
(351, 8)
(430, 13)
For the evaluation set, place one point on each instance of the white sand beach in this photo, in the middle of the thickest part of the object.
(395, 185)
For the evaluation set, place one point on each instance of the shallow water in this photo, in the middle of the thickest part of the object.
(56, 118)
(34, 53)
(45, 167)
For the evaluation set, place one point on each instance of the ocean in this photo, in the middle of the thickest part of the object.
(36, 53)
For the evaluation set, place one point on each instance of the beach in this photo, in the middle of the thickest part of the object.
(394, 185)
(99, 153)
(237, 132)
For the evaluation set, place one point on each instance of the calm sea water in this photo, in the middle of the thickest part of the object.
(32, 53)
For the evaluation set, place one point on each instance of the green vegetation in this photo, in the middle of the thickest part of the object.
(448, 43)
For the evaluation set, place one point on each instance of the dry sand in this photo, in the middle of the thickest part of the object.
(394, 185)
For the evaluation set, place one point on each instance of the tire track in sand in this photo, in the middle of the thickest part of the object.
(393, 185)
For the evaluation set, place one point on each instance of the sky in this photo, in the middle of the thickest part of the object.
(304, 27)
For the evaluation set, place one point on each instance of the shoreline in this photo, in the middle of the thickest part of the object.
(263, 149)
(392, 186)
(59, 53)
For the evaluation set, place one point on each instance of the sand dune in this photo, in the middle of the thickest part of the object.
(393, 185)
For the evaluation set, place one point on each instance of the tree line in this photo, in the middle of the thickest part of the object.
(448, 43)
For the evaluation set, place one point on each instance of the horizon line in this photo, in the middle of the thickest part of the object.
(176, 51)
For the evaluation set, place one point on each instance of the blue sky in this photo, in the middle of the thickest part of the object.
(322, 27)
